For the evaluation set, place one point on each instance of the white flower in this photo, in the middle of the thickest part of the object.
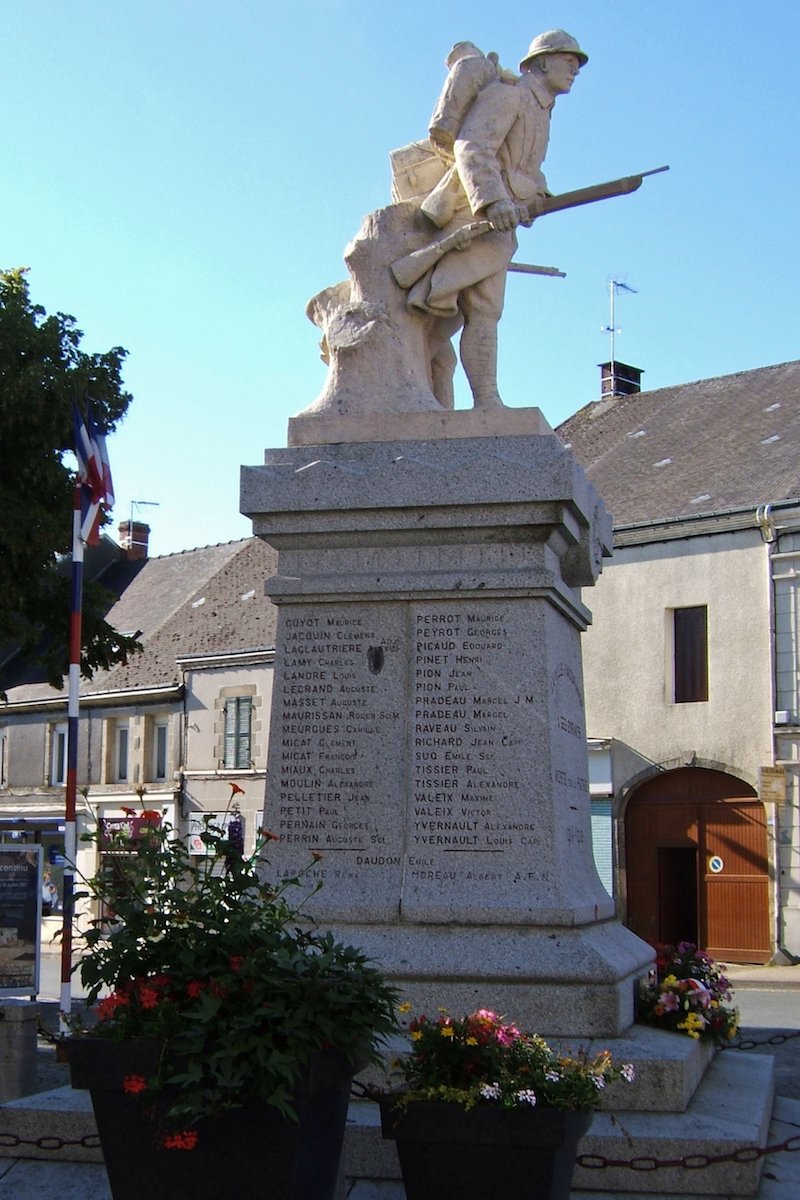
(528, 1096)
(552, 1076)
(627, 1072)
(598, 1081)
(490, 1091)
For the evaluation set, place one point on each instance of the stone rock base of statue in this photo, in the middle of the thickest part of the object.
(427, 733)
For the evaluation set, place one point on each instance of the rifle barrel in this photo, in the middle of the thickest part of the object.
(598, 191)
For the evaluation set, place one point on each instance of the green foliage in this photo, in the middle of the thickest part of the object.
(480, 1058)
(42, 372)
(217, 961)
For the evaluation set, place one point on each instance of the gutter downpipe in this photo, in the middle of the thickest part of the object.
(771, 537)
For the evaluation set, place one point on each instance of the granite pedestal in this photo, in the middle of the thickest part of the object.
(427, 734)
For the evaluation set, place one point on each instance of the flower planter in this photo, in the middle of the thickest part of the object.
(488, 1153)
(250, 1151)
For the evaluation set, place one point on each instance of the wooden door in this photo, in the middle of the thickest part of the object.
(737, 894)
(696, 864)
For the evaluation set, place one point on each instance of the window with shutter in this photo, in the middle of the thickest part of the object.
(58, 755)
(238, 713)
(122, 735)
(160, 730)
(690, 627)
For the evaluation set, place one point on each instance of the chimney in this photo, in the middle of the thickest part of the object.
(619, 379)
(133, 539)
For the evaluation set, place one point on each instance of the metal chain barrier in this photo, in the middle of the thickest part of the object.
(690, 1162)
(590, 1162)
(777, 1039)
(90, 1141)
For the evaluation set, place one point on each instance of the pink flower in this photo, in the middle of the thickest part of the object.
(669, 1002)
(507, 1034)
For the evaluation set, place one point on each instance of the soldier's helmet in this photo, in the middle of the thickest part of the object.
(555, 41)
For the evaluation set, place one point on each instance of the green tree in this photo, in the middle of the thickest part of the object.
(42, 372)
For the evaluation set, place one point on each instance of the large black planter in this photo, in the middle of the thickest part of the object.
(250, 1151)
(488, 1153)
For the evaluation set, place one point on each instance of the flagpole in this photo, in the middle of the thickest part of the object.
(71, 793)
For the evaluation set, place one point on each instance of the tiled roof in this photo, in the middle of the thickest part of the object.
(718, 444)
(205, 601)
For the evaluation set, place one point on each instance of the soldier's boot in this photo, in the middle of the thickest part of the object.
(479, 359)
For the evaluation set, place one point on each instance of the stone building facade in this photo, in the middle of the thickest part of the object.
(691, 663)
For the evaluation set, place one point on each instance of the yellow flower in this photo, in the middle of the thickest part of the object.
(472, 1041)
(404, 1007)
(447, 1031)
(670, 981)
(416, 1035)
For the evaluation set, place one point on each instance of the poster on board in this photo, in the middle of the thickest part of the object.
(20, 919)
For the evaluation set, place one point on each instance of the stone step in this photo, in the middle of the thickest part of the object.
(730, 1109)
(29, 1180)
(63, 1113)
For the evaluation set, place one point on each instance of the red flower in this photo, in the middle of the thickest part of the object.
(236, 962)
(107, 1007)
(194, 989)
(151, 816)
(186, 1139)
(129, 812)
(148, 997)
(316, 856)
(236, 790)
(268, 836)
(133, 1084)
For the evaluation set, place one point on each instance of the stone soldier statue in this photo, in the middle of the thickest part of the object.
(494, 161)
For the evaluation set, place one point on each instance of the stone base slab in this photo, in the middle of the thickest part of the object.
(573, 982)
(327, 429)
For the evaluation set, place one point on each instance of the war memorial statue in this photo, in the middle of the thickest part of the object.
(435, 262)
(428, 762)
(427, 731)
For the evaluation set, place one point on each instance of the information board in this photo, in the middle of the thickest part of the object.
(20, 919)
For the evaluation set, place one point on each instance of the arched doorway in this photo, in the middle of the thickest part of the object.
(696, 864)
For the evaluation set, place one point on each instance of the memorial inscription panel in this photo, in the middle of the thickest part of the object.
(431, 757)
(487, 693)
(335, 785)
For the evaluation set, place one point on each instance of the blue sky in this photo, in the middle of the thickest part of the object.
(183, 176)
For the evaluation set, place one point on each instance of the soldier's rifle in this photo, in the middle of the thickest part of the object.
(411, 267)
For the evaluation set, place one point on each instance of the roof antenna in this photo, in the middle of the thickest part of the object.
(137, 504)
(614, 286)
